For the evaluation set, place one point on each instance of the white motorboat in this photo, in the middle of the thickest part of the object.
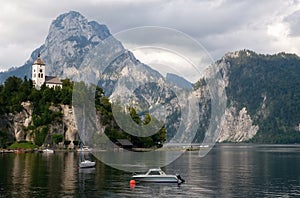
(48, 150)
(84, 149)
(156, 175)
(87, 164)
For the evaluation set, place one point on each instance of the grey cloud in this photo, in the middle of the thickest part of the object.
(294, 22)
(220, 25)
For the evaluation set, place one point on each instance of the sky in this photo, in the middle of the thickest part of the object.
(220, 26)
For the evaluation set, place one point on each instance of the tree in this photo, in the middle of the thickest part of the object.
(57, 138)
(135, 117)
(40, 135)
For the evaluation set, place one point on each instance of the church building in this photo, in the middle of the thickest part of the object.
(39, 75)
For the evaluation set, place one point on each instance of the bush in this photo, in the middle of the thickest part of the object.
(22, 145)
(67, 142)
(76, 142)
(40, 136)
(57, 138)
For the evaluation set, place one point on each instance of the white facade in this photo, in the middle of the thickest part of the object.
(39, 77)
(38, 72)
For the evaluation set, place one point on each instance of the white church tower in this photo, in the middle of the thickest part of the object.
(38, 72)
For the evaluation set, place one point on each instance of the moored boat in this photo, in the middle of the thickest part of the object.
(84, 149)
(87, 164)
(156, 175)
(47, 150)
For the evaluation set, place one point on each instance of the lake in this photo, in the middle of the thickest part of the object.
(228, 170)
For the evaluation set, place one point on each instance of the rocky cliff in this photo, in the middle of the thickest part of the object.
(262, 98)
(18, 124)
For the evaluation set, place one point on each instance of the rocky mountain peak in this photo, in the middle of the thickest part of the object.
(73, 23)
(67, 18)
(71, 36)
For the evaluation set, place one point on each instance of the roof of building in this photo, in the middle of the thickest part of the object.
(39, 61)
(124, 142)
(52, 80)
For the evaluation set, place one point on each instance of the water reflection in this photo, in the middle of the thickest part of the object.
(228, 170)
(68, 183)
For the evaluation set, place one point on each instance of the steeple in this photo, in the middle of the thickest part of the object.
(38, 72)
(39, 61)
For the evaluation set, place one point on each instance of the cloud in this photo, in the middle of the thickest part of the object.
(268, 26)
(293, 21)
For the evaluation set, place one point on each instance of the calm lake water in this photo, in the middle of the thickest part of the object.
(227, 171)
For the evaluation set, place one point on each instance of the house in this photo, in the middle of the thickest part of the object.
(124, 143)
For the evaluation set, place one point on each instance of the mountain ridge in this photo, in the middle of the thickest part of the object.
(257, 85)
(58, 58)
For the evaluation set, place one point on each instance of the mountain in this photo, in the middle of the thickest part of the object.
(178, 81)
(257, 96)
(83, 50)
(71, 36)
(263, 98)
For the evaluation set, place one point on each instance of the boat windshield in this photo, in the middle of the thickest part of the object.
(154, 173)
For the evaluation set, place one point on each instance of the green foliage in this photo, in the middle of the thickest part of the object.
(134, 116)
(155, 140)
(40, 135)
(4, 139)
(76, 142)
(15, 91)
(12, 95)
(22, 145)
(57, 138)
(272, 80)
(67, 142)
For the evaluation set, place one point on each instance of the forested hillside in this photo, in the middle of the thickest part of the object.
(266, 88)
(46, 112)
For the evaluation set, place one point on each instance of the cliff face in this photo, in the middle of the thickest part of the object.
(20, 121)
(18, 125)
(262, 98)
(236, 126)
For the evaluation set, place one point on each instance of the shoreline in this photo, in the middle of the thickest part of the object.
(168, 148)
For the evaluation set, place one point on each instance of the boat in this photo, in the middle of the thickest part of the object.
(84, 149)
(84, 163)
(47, 150)
(156, 175)
(87, 164)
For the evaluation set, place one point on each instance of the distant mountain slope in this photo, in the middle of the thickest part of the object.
(178, 81)
(263, 97)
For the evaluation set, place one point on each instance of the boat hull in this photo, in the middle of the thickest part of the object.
(87, 164)
(156, 179)
(48, 151)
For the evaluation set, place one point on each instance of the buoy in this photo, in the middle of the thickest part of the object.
(132, 184)
(132, 181)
